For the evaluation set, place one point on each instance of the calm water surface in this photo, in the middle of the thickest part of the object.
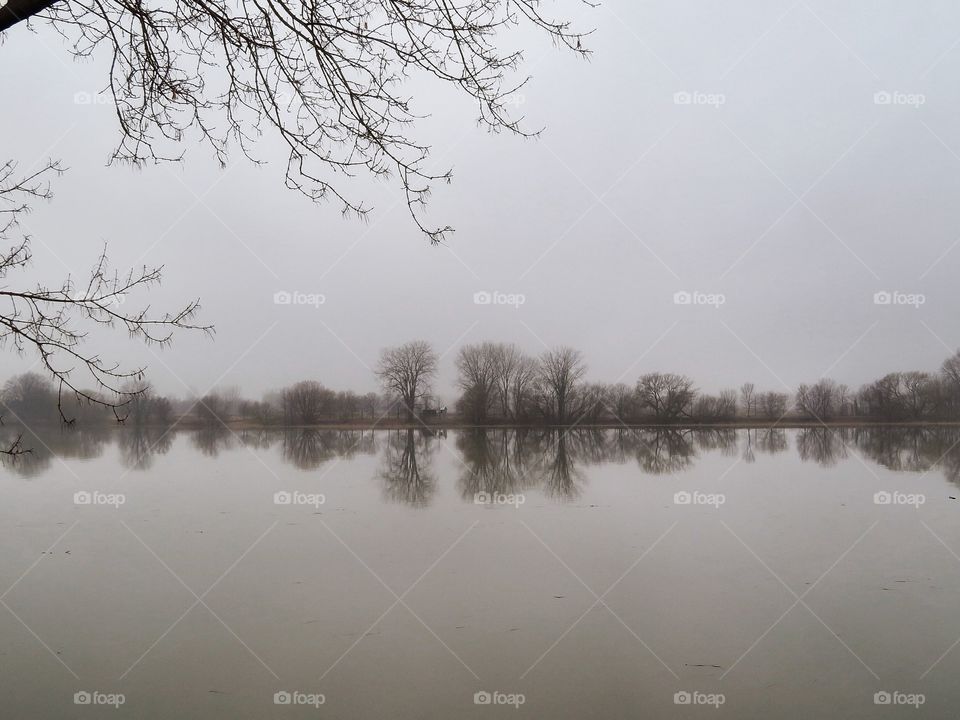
(589, 574)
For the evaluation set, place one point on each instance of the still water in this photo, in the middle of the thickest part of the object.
(725, 574)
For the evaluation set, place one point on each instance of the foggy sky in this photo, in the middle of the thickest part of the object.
(798, 197)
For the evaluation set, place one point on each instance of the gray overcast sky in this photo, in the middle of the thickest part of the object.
(786, 185)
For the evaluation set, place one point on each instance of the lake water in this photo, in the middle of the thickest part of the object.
(602, 574)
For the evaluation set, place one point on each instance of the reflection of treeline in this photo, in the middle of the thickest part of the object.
(501, 461)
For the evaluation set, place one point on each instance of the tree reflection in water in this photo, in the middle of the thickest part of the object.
(823, 445)
(406, 470)
(212, 439)
(503, 460)
(141, 444)
(309, 448)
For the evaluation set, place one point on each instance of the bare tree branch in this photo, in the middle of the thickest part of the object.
(329, 77)
(54, 321)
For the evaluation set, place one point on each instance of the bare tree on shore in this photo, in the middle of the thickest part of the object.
(306, 402)
(667, 395)
(507, 362)
(773, 405)
(477, 377)
(819, 400)
(560, 373)
(407, 372)
(747, 393)
(522, 386)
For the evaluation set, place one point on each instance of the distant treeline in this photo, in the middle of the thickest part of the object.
(499, 384)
